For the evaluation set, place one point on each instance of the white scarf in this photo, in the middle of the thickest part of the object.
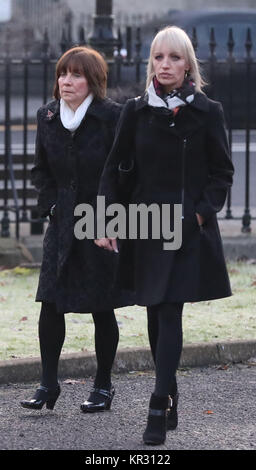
(70, 119)
(172, 102)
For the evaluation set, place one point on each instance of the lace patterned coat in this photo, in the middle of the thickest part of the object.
(75, 274)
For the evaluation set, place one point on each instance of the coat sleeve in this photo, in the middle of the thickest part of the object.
(220, 167)
(41, 176)
(120, 152)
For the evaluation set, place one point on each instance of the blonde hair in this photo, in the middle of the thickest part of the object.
(178, 41)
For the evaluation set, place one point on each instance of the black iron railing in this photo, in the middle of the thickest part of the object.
(26, 82)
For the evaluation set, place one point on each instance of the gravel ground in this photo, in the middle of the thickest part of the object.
(217, 411)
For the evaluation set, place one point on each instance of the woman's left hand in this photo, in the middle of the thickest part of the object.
(200, 219)
(107, 243)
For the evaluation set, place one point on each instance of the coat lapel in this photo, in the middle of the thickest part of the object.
(189, 118)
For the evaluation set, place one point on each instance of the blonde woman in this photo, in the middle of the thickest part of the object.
(176, 138)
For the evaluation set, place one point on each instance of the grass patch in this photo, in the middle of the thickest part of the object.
(224, 319)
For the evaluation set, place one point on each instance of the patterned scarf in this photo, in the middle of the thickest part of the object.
(178, 97)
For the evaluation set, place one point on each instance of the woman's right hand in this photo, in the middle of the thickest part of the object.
(107, 243)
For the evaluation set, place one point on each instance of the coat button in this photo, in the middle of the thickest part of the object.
(73, 185)
(70, 149)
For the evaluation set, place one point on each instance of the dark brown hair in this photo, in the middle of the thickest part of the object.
(87, 61)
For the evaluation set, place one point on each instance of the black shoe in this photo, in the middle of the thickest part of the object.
(43, 395)
(172, 414)
(155, 432)
(99, 400)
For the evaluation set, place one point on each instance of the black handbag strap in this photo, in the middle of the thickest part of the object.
(128, 163)
(108, 138)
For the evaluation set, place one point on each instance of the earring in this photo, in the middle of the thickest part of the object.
(187, 73)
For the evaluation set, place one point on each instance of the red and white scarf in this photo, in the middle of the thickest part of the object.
(182, 96)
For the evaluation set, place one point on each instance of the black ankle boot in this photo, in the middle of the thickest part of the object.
(99, 400)
(172, 414)
(155, 432)
(42, 395)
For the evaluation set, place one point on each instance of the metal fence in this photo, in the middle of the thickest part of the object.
(26, 83)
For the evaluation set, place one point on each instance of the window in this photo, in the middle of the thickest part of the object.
(5, 10)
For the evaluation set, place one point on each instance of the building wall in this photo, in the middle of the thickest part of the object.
(29, 21)
(54, 15)
(134, 11)
(158, 7)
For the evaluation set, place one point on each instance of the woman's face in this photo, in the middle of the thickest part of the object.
(169, 66)
(73, 88)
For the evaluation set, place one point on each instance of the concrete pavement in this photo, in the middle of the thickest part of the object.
(217, 411)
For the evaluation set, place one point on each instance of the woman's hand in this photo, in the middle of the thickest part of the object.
(200, 219)
(107, 243)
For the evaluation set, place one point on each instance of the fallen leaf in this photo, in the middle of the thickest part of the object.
(223, 367)
(73, 381)
(21, 271)
(23, 318)
(208, 412)
(134, 334)
(233, 271)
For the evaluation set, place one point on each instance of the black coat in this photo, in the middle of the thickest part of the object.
(177, 160)
(75, 274)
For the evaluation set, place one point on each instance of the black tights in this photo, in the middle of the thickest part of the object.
(165, 338)
(52, 335)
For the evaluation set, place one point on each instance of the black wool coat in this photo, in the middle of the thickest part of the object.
(178, 160)
(75, 274)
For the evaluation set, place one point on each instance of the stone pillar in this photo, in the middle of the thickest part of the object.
(103, 38)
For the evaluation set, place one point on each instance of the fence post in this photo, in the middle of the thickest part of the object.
(137, 58)
(118, 60)
(103, 37)
(24, 216)
(36, 226)
(5, 222)
(247, 216)
(230, 61)
(213, 61)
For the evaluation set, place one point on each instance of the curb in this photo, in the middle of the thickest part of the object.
(239, 247)
(29, 254)
(129, 359)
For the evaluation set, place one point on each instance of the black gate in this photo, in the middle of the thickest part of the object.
(26, 83)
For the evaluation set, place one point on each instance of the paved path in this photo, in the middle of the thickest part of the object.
(217, 411)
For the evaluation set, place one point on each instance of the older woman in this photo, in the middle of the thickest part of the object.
(75, 134)
(174, 139)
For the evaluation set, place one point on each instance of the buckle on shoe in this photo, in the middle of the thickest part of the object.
(170, 402)
(101, 391)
